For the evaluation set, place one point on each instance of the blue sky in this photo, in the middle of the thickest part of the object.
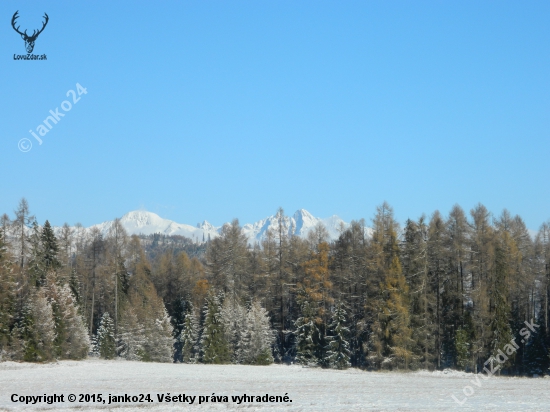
(215, 109)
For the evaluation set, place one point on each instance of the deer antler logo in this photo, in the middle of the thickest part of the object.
(29, 40)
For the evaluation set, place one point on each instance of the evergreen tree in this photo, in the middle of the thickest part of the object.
(33, 337)
(160, 345)
(94, 347)
(189, 337)
(77, 343)
(308, 338)
(179, 312)
(71, 336)
(130, 342)
(233, 316)
(256, 337)
(74, 285)
(350, 275)
(462, 348)
(214, 346)
(536, 351)
(50, 249)
(106, 337)
(338, 353)
(465, 336)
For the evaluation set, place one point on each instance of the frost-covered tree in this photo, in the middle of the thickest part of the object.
(233, 317)
(256, 337)
(307, 337)
(130, 336)
(337, 350)
(159, 344)
(145, 331)
(72, 340)
(106, 337)
(34, 335)
(178, 312)
(77, 341)
(7, 296)
(94, 347)
(214, 346)
(157, 341)
(189, 336)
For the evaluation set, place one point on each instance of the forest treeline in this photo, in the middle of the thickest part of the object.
(439, 292)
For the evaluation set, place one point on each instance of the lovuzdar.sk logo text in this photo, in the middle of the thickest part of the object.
(29, 40)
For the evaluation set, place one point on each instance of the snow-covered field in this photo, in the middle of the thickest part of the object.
(309, 389)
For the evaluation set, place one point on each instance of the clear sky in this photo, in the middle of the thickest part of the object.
(221, 109)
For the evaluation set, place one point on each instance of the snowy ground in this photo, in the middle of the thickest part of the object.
(309, 389)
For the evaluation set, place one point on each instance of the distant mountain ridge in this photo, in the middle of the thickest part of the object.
(299, 224)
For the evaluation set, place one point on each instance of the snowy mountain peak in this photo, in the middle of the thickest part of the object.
(207, 226)
(303, 221)
(299, 224)
(141, 218)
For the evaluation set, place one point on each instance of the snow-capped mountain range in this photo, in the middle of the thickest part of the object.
(299, 224)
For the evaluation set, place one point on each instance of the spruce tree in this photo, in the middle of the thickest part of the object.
(33, 336)
(536, 351)
(106, 337)
(256, 337)
(178, 314)
(188, 337)
(233, 316)
(160, 345)
(338, 353)
(130, 342)
(74, 285)
(214, 346)
(71, 336)
(50, 249)
(308, 338)
(462, 349)
(465, 336)
(77, 343)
